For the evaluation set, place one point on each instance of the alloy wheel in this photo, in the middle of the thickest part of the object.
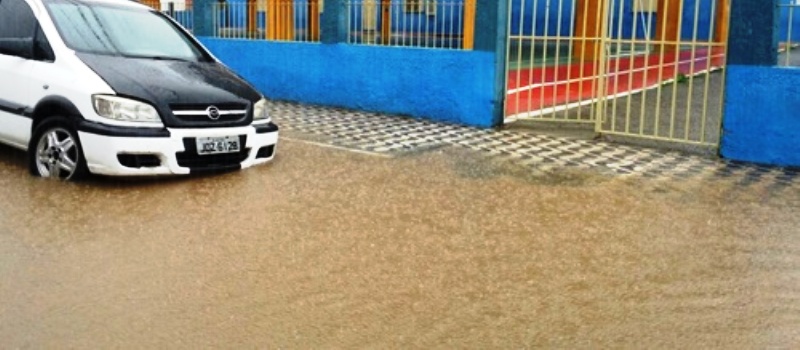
(57, 154)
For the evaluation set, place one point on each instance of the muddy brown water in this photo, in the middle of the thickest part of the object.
(328, 249)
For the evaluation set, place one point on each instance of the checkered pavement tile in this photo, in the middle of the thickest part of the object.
(395, 135)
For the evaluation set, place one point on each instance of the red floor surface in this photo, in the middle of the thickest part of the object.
(535, 89)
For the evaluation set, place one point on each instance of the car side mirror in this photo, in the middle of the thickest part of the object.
(20, 47)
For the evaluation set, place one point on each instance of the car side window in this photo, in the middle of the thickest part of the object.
(16, 20)
(20, 29)
(41, 47)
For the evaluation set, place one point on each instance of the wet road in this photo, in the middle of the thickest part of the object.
(330, 249)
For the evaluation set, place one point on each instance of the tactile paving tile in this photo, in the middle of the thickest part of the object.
(398, 135)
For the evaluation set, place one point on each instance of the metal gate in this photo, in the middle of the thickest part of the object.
(649, 69)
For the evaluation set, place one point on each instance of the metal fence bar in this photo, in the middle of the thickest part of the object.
(642, 77)
(695, 43)
(559, 18)
(406, 40)
(631, 63)
(721, 96)
(620, 17)
(273, 20)
(553, 71)
(707, 83)
(427, 29)
(435, 24)
(787, 45)
(544, 103)
(176, 10)
(681, 112)
(582, 73)
(520, 46)
(677, 72)
(571, 43)
(458, 34)
(602, 81)
(661, 47)
(452, 23)
(649, 43)
(789, 36)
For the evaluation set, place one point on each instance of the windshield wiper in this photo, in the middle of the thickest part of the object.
(159, 58)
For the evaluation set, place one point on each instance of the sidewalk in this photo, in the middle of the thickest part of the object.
(399, 136)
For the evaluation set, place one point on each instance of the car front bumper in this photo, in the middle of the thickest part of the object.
(170, 151)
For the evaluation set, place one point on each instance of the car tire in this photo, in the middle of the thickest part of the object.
(55, 151)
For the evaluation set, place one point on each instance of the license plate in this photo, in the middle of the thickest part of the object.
(216, 145)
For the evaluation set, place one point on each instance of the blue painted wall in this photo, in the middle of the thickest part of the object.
(762, 122)
(546, 12)
(703, 10)
(624, 19)
(444, 85)
(555, 17)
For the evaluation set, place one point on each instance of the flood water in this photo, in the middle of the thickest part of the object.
(328, 249)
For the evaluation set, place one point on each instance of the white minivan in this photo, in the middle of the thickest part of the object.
(116, 88)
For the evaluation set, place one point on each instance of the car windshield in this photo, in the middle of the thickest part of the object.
(117, 30)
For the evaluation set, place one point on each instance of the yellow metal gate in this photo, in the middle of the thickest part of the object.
(648, 69)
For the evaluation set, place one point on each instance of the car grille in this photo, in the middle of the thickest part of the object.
(198, 114)
(211, 162)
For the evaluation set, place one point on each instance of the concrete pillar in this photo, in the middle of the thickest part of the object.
(203, 17)
(668, 19)
(753, 32)
(721, 24)
(280, 21)
(468, 36)
(588, 13)
(386, 21)
(334, 22)
(313, 19)
(252, 18)
(760, 122)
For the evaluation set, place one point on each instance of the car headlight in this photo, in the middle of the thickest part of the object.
(260, 112)
(125, 110)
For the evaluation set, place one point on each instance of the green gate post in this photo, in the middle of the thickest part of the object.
(491, 35)
(334, 22)
(203, 17)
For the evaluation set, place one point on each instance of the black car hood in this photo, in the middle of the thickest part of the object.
(168, 83)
